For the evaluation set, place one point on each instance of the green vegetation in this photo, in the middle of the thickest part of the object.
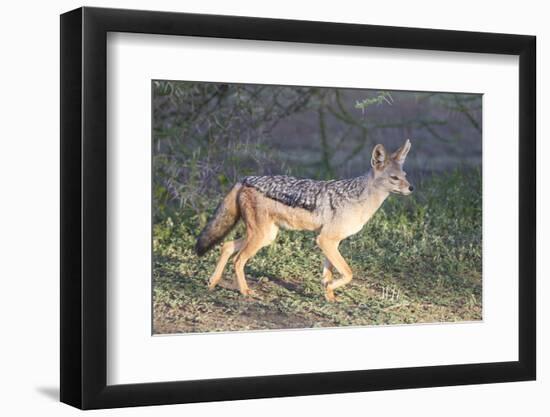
(417, 261)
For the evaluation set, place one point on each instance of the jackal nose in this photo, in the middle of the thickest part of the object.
(411, 188)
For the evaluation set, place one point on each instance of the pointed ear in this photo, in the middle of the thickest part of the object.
(379, 157)
(400, 154)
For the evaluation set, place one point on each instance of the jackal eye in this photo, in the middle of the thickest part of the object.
(394, 177)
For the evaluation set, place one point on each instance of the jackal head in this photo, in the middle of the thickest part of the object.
(388, 169)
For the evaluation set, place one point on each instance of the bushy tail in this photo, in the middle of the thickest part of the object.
(220, 224)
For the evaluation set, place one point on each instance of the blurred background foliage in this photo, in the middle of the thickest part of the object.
(206, 136)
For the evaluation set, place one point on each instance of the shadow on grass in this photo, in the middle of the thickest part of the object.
(287, 285)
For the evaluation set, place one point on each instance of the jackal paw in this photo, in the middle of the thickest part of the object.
(329, 295)
(212, 284)
(247, 292)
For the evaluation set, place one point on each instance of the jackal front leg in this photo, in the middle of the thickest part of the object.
(330, 250)
(327, 272)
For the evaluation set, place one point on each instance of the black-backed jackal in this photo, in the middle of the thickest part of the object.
(335, 209)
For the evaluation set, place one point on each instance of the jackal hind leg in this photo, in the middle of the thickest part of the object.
(228, 249)
(255, 240)
(330, 250)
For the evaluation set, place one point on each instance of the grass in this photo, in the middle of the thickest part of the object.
(417, 261)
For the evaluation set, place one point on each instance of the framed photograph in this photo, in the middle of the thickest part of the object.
(257, 208)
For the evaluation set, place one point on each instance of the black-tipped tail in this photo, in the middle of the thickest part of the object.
(220, 224)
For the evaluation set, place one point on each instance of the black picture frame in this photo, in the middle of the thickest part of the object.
(84, 207)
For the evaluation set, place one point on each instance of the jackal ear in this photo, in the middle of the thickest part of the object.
(400, 154)
(379, 157)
